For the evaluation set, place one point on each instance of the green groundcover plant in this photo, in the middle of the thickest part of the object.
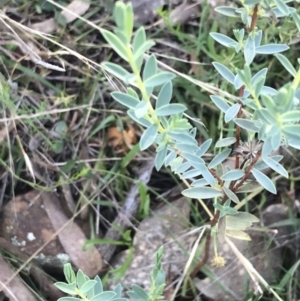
(269, 117)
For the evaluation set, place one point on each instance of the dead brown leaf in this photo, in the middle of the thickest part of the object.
(72, 238)
(121, 142)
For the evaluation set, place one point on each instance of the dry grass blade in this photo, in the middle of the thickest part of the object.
(256, 277)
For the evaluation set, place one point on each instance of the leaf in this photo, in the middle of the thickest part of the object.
(249, 51)
(233, 175)
(119, 14)
(246, 217)
(259, 74)
(224, 40)
(68, 288)
(160, 158)
(141, 109)
(170, 109)
(202, 193)
(128, 28)
(186, 147)
(291, 116)
(204, 147)
(232, 112)
(219, 158)
(69, 273)
(227, 11)
(247, 124)
(191, 174)
(220, 103)
(116, 70)
(264, 181)
(88, 285)
(225, 72)
(271, 48)
(140, 292)
(142, 121)
(225, 142)
(231, 195)
(125, 99)
(286, 64)
(276, 166)
(192, 158)
(249, 187)
(116, 44)
(142, 49)
(158, 79)
(98, 288)
(182, 137)
(150, 68)
(165, 95)
(148, 137)
(238, 234)
(199, 183)
(139, 39)
(104, 296)
(282, 7)
(80, 279)
(292, 131)
(170, 157)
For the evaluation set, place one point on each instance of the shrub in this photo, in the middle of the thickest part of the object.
(269, 117)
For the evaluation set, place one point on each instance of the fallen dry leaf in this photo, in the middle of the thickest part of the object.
(15, 289)
(31, 220)
(72, 238)
(121, 142)
(77, 7)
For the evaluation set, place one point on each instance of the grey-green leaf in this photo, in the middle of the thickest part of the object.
(116, 70)
(225, 142)
(232, 112)
(69, 288)
(224, 40)
(105, 296)
(231, 195)
(219, 158)
(125, 99)
(249, 52)
(150, 68)
(88, 285)
(286, 64)
(202, 193)
(225, 72)
(116, 44)
(227, 11)
(170, 109)
(165, 94)
(148, 137)
(233, 175)
(220, 103)
(247, 124)
(276, 166)
(271, 48)
(264, 181)
(158, 79)
(142, 49)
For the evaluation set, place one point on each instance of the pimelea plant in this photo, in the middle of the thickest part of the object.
(270, 117)
(92, 289)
